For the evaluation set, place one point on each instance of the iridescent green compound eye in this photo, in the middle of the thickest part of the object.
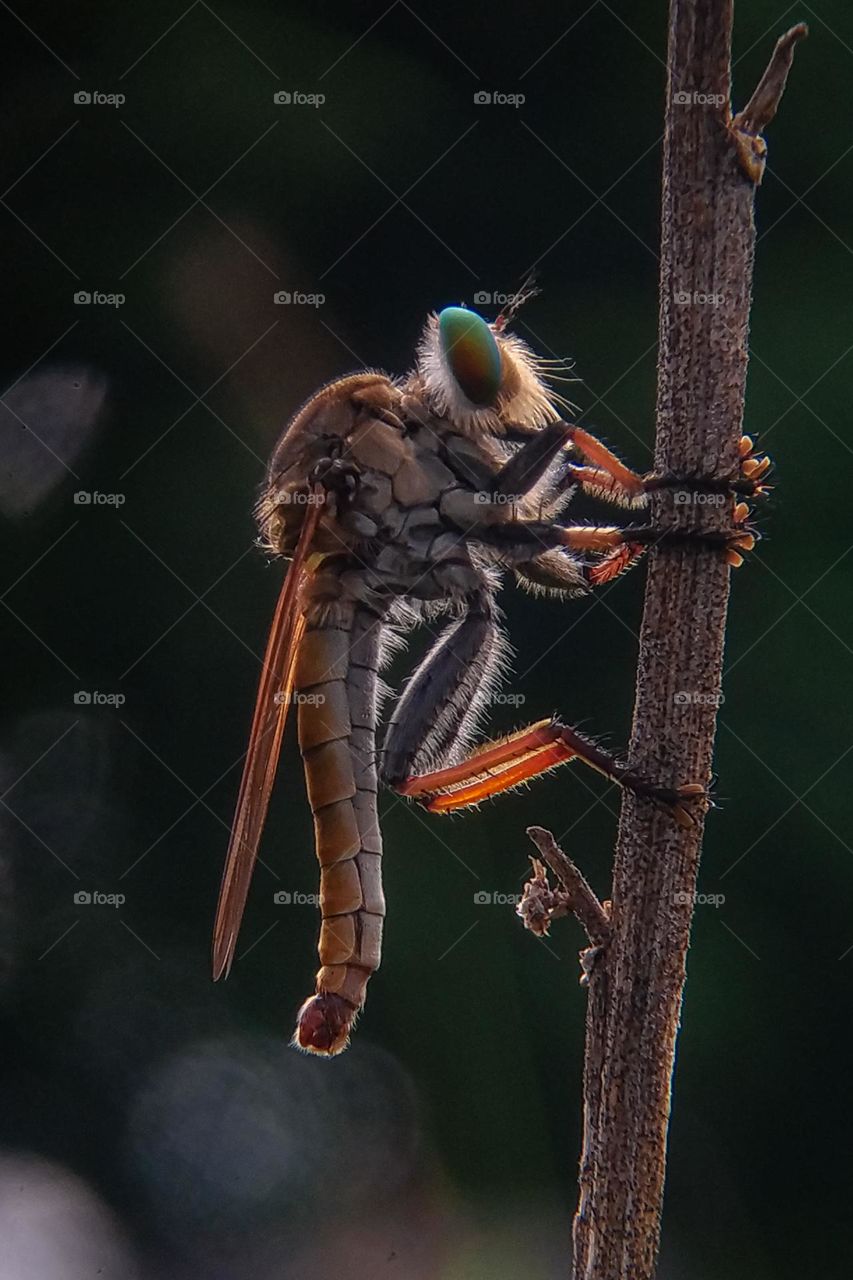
(471, 354)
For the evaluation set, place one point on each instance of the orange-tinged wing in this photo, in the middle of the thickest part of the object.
(274, 697)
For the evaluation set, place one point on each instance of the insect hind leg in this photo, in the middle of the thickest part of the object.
(526, 754)
(438, 710)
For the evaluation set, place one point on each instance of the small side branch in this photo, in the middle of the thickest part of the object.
(764, 103)
(541, 904)
(748, 125)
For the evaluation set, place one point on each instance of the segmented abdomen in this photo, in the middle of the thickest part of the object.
(336, 684)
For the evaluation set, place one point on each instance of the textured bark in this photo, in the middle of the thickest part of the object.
(711, 165)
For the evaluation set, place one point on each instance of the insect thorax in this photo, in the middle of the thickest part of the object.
(407, 468)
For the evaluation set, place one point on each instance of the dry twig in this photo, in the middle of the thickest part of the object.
(712, 163)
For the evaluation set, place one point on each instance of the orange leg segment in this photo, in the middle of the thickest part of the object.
(610, 478)
(525, 755)
(511, 775)
(601, 484)
(606, 460)
(582, 537)
(615, 563)
(497, 754)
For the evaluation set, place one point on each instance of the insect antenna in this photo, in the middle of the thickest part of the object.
(527, 291)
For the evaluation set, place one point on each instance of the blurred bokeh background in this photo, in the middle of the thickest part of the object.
(153, 1125)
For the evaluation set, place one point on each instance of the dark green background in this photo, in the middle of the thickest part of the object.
(444, 1143)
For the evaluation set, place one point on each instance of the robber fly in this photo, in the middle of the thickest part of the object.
(397, 499)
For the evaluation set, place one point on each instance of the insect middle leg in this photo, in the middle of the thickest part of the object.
(519, 540)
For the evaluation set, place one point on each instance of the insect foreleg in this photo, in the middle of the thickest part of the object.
(519, 541)
(527, 466)
(608, 478)
(605, 476)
